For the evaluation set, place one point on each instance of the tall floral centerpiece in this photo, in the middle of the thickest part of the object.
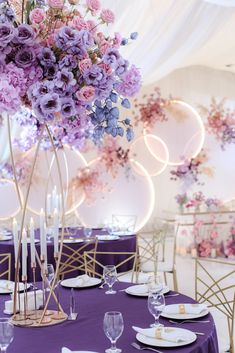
(57, 62)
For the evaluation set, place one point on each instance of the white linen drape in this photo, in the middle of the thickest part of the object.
(229, 3)
(170, 32)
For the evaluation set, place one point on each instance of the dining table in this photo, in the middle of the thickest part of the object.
(124, 242)
(86, 332)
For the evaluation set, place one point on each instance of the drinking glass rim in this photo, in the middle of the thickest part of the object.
(109, 266)
(5, 319)
(113, 313)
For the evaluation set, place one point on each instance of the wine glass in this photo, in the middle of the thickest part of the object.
(156, 304)
(113, 328)
(50, 273)
(87, 232)
(155, 284)
(110, 277)
(6, 334)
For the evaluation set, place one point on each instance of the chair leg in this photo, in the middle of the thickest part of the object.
(165, 278)
(175, 281)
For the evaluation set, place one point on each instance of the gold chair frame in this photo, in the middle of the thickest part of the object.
(75, 256)
(211, 292)
(6, 258)
(91, 261)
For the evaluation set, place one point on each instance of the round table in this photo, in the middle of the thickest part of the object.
(86, 333)
(123, 244)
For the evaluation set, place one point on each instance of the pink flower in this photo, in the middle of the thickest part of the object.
(93, 6)
(9, 97)
(85, 65)
(56, 4)
(86, 94)
(91, 26)
(103, 46)
(117, 40)
(78, 23)
(37, 15)
(107, 68)
(107, 16)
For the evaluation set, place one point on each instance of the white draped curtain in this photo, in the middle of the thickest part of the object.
(171, 32)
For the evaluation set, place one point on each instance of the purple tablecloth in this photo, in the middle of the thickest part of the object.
(125, 243)
(86, 333)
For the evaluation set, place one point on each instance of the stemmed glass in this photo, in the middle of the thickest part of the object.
(156, 304)
(6, 334)
(155, 284)
(87, 232)
(50, 273)
(110, 277)
(113, 328)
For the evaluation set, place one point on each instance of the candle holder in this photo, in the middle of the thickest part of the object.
(26, 321)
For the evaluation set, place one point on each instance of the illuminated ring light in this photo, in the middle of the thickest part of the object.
(137, 142)
(76, 205)
(202, 132)
(9, 197)
(151, 203)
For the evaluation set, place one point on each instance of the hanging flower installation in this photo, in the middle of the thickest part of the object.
(220, 122)
(113, 156)
(151, 110)
(57, 62)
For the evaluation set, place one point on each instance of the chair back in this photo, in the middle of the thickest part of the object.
(72, 259)
(148, 244)
(5, 265)
(215, 286)
(95, 261)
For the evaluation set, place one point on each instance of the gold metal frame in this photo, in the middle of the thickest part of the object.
(6, 258)
(215, 293)
(91, 262)
(75, 256)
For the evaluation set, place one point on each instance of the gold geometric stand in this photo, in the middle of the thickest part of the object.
(32, 322)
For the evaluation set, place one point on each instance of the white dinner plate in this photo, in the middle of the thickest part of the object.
(163, 343)
(184, 316)
(72, 240)
(107, 237)
(139, 290)
(5, 232)
(35, 241)
(70, 283)
(4, 237)
(7, 287)
(123, 233)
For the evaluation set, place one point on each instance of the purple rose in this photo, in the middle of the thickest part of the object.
(50, 71)
(94, 75)
(25, 57)
(68, 107)
(39, 89)
(111, 57)
(7, 33)
(121, 67)
(85, 39)
(24, 35)
(64, 80)
(66, 38)
(50, 103)
(69, 62)
(47, 57)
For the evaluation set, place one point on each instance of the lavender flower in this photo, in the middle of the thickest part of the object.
(68, 107)
(64, 80)
(7, 14)
(68, 62)
(122, 66)
(130, 82)
(24, 34)
(50, 103)
(50, 71)
(111, 57)
(47, 57)
(9, 97)
(16, 78)
(25, 57)
(85, 39)
(7, 32)
(67, 38)
(40, 89)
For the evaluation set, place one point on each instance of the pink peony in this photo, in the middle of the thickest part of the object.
(86, 94)
(56, 4)
(117, 40)
(93, 6)
(85, 65)
(107, 16)
(37, 15)
(78, 23)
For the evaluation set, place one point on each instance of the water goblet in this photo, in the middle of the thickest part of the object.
(87, 232)
(113, 328)
(110, 277)
(6, 334)
(156, 304)
(155, 284)
(50, 273)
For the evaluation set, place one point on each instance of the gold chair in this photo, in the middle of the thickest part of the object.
(72, 259)
(5, 262)
(217, 290)
(148, 244)
(94, 267)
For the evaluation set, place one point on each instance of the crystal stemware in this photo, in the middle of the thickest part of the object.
(156, 304)
(87, 232)
(110, 277)
(155, 284)
(6, 334)
(50, 273)
(113, 328)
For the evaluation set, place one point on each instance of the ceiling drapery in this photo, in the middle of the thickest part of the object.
(172, 33)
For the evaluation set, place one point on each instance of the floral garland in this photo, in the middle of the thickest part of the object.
(152, 110)
(189, 171)
(114, 156)
(229, 244)
(221, 122)
(55, 61)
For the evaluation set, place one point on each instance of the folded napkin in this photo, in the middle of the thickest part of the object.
(163, 333)
(82, 280)
(66, 350)
(140, 289)
(195, 309)
(9, 306)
